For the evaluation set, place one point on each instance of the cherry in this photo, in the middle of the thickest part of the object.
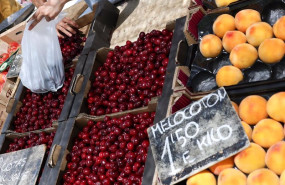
(129, 70)
(130, 146)
(71, 46)
(112, 160)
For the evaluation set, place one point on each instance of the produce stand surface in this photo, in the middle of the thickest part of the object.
(144, 15)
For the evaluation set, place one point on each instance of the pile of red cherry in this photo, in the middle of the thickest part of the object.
(112, 151)
(71, 46)
(40, 110)
(131, 75)
(31, 140)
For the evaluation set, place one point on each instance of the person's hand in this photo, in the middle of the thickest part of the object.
(66, 26)
(49, 10)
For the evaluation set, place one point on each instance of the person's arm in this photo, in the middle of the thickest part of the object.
(49, 10)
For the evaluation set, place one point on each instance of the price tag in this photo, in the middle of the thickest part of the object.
(21, 167)
(196, 137)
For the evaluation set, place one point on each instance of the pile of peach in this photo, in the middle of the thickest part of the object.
(246, 38)
(263, 162)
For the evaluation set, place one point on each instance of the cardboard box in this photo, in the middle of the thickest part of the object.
(3, 115)
(8, 91)
(195, 14)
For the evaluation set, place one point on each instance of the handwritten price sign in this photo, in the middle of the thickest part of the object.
(196, 137)
(21, 167)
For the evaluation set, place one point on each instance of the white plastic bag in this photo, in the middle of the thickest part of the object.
(42, 68)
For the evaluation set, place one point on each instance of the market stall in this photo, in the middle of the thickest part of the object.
(194, 96)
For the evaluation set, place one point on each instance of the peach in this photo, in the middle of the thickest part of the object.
(250, 159)
(243, 55)
(282, 178)
(279, 27)
(262, 177)
(210, 46)
(231, 176)
(252, 109)
(233, 38)
(276, 106)
(228, 75)
(220, 166)
(202, 178)
(222, 24)
(221, 3)
(247, 129)
(271, 50)
(245, 18)
(267, 132)
(258, 32)
(235, 106)
(275, 157)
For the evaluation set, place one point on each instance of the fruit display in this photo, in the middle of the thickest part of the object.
(263, 162)
(112, 151)
(248, 43)
(38, 111)
(71, 46)
(131, 75)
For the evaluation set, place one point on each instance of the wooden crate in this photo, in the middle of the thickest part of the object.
(64, 145)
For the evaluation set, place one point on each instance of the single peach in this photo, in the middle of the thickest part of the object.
(267, 132)
(262, 177)
(282, 178)
(235, 106)
(222, 24)
(228, 75)
(275, 106)
(258, 32)
(279, 27)
(233, 38)
(220, 166)
(247, 129)
(243, 55)
(250, 159)
(202, 178)
(231, 176)
(252, 109)
(221, 3)
(210, 46)
(275, 157)
(245, 18)
(271, 50)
